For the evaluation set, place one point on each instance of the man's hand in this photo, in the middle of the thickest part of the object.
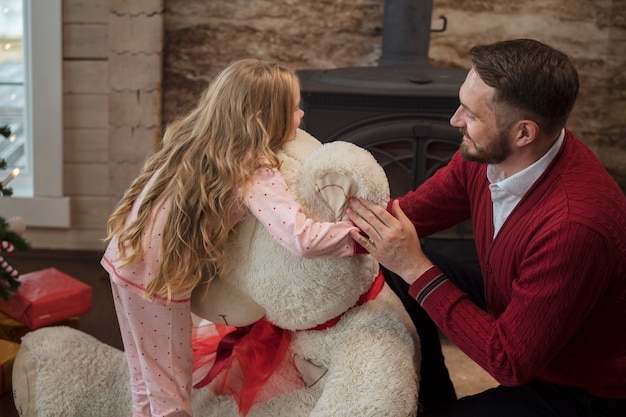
(391, 238)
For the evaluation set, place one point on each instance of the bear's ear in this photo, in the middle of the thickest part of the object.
(335, 190)
(337, 171)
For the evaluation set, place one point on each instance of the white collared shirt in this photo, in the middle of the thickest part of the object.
(507, 192)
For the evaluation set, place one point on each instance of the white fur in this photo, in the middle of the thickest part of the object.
(371, 354)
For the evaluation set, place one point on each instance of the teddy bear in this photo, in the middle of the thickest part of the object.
(306, 337)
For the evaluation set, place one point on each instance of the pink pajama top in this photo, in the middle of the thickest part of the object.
(157, 334)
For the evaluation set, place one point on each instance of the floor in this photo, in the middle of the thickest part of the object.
(101, 322)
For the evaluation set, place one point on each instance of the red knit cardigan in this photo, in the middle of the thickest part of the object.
(555, 275)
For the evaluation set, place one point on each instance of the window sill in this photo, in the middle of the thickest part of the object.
(51, 212)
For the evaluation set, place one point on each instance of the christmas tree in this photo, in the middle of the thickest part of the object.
(10, 239)
(6, 191)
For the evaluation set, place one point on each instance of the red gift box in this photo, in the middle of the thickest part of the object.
(47, 296)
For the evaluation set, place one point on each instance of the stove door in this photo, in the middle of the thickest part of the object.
(408, 148)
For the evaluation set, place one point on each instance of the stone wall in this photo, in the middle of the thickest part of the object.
(201, 37)
(120, 58)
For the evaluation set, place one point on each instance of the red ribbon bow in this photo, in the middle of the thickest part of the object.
(256, 351)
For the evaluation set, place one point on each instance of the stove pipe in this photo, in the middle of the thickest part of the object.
(406, 33)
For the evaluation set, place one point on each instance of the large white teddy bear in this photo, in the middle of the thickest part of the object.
(349, 347)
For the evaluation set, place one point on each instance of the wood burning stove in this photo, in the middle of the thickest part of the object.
(399, 110)
(409, 135)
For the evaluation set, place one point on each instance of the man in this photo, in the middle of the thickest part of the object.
(545, 314)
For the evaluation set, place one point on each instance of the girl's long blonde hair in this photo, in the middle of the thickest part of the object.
(242, 119)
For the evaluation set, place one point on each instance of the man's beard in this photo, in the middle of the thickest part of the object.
(494, 153)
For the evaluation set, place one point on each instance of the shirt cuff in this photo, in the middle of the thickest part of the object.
(426, 283)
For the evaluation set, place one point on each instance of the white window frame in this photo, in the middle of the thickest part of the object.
(43, 81)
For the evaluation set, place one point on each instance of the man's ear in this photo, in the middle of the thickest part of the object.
(526, 132)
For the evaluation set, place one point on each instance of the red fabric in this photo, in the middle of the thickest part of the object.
(554, 275)
(206, 346)
(360, 250)
(46, 297)
(244, 360)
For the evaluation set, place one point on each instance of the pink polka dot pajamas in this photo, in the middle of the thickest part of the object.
(157, 333)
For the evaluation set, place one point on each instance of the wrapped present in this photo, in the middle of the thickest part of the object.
(46, 297)
(13, 330)
(8, 351)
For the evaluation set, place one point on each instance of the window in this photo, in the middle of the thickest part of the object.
(31, 101)
(12, 86)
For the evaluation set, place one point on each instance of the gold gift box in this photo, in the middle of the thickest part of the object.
(12, 330)
(8, 351)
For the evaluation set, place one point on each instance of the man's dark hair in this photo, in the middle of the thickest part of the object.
(538, 81)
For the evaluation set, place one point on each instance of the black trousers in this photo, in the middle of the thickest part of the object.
(437, 396)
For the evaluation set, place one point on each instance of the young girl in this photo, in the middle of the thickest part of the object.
(215, 165)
